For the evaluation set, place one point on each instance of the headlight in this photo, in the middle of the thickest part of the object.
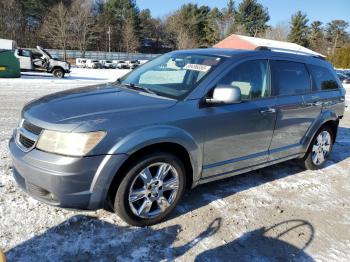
(71, 144)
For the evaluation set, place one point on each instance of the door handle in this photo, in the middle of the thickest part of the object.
(268, 111)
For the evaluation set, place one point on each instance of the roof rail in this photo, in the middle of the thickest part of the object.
(285, 50)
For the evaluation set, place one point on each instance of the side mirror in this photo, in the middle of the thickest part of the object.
(225, 94)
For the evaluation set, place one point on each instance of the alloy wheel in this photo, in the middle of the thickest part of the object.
(153, 190)
(321, 148)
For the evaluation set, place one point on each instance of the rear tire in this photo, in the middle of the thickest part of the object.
(319, 149)
(150, 189)
(58, 72)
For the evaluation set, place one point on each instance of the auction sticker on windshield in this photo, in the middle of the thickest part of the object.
(197, 67)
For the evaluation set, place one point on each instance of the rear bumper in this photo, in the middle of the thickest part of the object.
(69, 182)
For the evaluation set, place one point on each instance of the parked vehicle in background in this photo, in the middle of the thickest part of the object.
(133, 64)
(80, 62)
(185, 118)
(90, 63)
(344, 78)
(122, 64)
(41, 61)
(107, 64)
(346, 72)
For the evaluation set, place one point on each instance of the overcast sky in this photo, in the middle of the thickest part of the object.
(279, 10)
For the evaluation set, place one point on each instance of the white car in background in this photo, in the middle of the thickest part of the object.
(107, 64)
(133, 64)
(90, 63)
(122, 64)
(80, 62)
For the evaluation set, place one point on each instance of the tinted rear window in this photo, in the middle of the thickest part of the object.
(323, 78)
(290, 78)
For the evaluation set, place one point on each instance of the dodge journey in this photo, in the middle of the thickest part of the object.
(185, 118)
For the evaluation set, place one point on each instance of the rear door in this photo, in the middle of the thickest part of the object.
(327, 89)
(296, 107)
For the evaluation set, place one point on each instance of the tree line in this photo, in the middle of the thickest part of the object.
(119, 25)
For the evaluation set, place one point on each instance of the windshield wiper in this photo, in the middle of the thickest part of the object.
(139, 88)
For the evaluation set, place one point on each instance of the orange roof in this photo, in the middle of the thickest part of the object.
(250, 43)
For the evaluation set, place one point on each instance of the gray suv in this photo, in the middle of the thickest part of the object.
(186, 118)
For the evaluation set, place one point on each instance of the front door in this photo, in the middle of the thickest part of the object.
(239, 135)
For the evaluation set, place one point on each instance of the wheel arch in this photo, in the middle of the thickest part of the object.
(169, 147)
(158, 138)
(327, 118)
(56, 67)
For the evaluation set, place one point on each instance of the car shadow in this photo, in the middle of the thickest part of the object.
(85, 238)
(207, 193)
(266, 244)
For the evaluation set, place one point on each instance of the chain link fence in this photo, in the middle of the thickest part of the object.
(72, 54)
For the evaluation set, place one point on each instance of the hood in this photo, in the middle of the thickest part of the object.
(90, 103)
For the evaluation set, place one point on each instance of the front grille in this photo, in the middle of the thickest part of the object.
(27, 135)
(31, 128)
(26, 142)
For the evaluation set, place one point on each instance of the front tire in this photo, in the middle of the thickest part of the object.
(58, 72)
(150, 190)
(319, 149)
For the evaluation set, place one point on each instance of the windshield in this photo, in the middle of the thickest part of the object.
(172, 75)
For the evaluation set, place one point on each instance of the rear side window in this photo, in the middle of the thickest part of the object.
(290, 78)
(251, 77)
(323, 78)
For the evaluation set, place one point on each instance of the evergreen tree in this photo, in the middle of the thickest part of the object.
(213, 27)
(299, 29)
(191, 22)
(115, 14)
(317, 37)
(253, 17)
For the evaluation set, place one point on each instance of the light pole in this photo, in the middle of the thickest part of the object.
(109, 39)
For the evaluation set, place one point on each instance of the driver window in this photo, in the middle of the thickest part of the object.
(251, 77)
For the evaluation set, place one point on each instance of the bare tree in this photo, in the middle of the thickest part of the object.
(279, 32)
(82, 24)
(57, 27)
(130, 39)
(10, 19)
(184, 40)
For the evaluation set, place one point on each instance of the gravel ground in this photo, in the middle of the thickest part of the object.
(280, 213)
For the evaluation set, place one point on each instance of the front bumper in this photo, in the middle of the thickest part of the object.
(70, 182)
